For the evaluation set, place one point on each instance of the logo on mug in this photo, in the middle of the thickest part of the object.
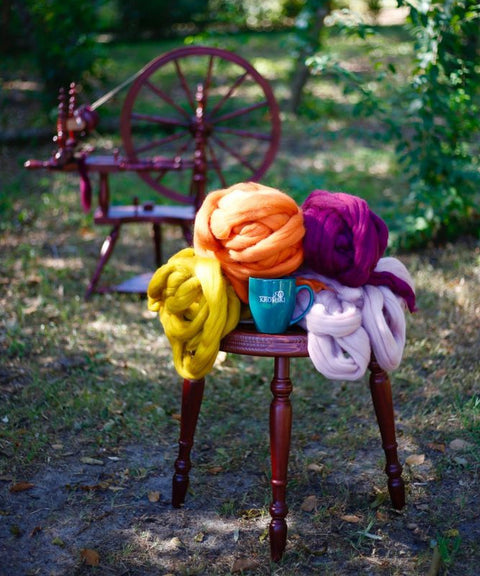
(277, 298)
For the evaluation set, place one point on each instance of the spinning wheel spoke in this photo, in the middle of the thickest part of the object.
(213, 160)
(184, 84)
(159, 143)
(240, 112)
(159, 92)
(233, 153)
(208, 79)
(150, 118)
(229, 94)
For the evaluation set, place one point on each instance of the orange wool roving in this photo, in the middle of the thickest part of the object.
(253, 230)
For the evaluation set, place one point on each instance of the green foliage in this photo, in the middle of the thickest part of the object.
(433, 118)
(63, 40)
(157, 18)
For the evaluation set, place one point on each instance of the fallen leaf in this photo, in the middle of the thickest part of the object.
(21, 486)
(200, 537)
(381, 516)
(318, 468)
(438, 446)
(459, 444)
(175, 543)
(352, 518)
(436, 562)
(241, 564)
(36, 530)
(90, 557)
(91, 461)
(250, 513)
(460, 461)
(154, 496)
(264, 535)
(177, 417)
(16, 531)
(309, 504)
(379, 500)
(58, 542)
(215, 470)
(415, 459)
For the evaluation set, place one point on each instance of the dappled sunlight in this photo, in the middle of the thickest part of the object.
(59, 263)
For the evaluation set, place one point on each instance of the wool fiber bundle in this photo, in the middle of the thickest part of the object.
(252, 230)
(345, 324)
(345, 240)
(197, 307)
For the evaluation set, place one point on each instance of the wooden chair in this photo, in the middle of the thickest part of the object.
(281, 347)
(192, 116)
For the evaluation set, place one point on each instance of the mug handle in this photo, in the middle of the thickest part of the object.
(309, 305)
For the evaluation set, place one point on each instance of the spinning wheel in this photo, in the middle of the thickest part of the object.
(200, 104)
(193, 115)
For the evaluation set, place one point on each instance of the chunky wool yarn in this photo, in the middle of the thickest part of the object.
(345, 325)
(197, 307)
(338, 345)
(252, 230)
(392, 273)
(343, 239)
(383, 317)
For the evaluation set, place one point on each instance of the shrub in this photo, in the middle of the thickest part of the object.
(433, 119)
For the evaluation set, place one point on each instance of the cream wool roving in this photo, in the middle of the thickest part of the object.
(197, 307)
(346, 324)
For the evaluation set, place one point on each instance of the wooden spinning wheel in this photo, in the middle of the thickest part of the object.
(193, 117)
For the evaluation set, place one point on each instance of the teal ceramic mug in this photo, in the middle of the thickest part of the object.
(272, 303)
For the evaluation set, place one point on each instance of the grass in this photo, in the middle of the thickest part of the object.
(93, 378)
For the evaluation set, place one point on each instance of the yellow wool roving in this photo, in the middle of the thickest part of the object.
(197, 307)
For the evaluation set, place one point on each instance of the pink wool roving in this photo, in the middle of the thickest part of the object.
(338, 345)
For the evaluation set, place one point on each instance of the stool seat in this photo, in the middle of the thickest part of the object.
(245, 339)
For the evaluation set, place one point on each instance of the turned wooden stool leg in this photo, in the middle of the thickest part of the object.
(381, 390)
(192, 395)
(280, 430)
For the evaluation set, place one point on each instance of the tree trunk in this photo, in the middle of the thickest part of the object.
(321, 9)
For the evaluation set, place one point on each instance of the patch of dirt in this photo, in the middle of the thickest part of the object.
(118, 506)
(112, 515)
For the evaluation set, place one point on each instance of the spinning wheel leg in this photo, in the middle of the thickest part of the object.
(191, 401)
(105, 253)
(157, 244)
(280, 430)
(382, 401)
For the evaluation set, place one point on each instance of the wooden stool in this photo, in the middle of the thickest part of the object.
(293, 344)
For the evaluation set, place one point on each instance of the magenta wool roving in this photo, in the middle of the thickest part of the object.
(344, 240)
